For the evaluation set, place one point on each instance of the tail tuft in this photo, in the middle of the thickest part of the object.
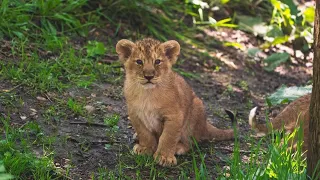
(231, 116)
(252, 117)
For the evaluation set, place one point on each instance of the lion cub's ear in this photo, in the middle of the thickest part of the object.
(171, 50)
(124, 49)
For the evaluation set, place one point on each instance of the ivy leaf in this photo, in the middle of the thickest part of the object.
(275, 59)
(253, 51)
(251, 24)
(287, 94)
(308, 14)
(95, 48)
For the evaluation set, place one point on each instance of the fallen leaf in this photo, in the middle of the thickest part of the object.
(33, 110)
(41, 98)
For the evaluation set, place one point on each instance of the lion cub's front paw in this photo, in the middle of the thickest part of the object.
(138, 149)
(165, 160)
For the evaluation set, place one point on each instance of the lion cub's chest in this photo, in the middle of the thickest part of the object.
(146, 109)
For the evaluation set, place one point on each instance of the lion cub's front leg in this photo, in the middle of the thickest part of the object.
(147, 141)
(168, 141)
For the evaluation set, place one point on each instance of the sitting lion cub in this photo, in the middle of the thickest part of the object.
(163, 109)
(290, 118)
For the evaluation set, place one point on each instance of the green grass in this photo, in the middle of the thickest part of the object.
(57, 73)
(277, 161)
(16, 154)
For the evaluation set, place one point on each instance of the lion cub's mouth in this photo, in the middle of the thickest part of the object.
(148, 85)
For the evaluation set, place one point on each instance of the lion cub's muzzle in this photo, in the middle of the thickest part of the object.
(149, 74)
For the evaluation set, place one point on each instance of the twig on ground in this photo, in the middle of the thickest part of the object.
(231, 150)
(88, 124)
(104, 142)
(48, 97)
(9, 90)
(93, 142)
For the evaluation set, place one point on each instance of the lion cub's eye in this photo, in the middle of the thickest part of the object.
(157, 62)
(139, 61)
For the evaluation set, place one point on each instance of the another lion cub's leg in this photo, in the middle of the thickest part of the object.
(168, 141)
(147, 141)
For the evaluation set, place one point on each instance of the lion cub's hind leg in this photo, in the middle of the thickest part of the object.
(182, 149)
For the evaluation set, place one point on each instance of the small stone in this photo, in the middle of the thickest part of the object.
(210, 63)
(199, 37)
(23, 117)
(135, 136)
(89, 108)
(109, 108)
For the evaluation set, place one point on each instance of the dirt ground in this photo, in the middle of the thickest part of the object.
(227, 78)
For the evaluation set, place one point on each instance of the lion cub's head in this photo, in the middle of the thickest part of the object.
(148, 61)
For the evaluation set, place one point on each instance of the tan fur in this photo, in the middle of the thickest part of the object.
(290, 118)
(165, 113)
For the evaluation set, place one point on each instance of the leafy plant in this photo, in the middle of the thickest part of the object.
(95, 48)
(50, 17)
(199, 19)
(278, 161)
(112, 120)
(18, 159)
(76, 107)
(287, 94)
(275, 59)
(3, 174)
(254, 25)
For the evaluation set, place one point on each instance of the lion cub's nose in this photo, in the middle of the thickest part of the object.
(148, 77)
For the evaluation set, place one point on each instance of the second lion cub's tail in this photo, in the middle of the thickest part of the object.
(261, 129)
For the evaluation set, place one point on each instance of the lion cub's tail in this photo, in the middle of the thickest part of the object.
(261, 129)
(221, 134)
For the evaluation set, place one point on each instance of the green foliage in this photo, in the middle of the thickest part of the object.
(75, 106)
(112, 120)
(3, 174)
(275, 59)
(287, 94)
(253, 25)
(287, 24)
(196, 8)
(290, 23)
(152, 17)
(21, 19)
(308, 15)
(95, 48)
(18, 159)
(277, 162)
(253, 51)
(56, 74)
(187, 74)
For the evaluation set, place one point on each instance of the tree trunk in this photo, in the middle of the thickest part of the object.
(314, 126)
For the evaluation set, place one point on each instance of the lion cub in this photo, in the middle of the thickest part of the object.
(290, 118)
(163, 109)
